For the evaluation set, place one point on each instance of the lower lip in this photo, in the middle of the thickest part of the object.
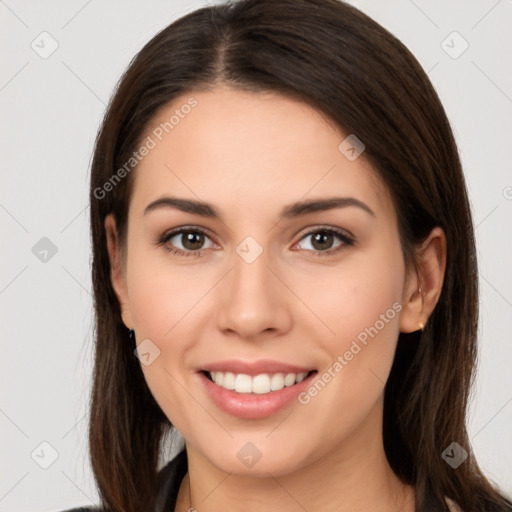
(253, 405)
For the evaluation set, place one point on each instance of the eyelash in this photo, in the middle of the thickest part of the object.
(346, 239)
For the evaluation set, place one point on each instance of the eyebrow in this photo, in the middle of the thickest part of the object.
(290, 211)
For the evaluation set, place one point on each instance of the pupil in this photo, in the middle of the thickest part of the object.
(320, 238)
(191, 239)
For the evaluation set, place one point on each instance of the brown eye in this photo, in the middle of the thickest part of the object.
(186, 241)
(192, 240)
(324, 240)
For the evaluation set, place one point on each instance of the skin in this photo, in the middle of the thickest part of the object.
(250, 154)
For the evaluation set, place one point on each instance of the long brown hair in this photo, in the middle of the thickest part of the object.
(340, 61)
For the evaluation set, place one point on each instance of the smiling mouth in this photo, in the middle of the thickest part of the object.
(257, 384)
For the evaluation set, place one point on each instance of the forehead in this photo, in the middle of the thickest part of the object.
(227, 146)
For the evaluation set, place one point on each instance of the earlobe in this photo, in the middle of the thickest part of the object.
(117, 275)
(423, 289)
(412, 311)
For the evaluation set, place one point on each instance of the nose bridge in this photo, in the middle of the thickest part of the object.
(250, 283)
(251, 300)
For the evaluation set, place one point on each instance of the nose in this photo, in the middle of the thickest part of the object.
(253, 300)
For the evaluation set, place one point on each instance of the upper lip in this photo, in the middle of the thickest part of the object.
(254, 367)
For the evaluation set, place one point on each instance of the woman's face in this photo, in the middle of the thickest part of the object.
(265, 287)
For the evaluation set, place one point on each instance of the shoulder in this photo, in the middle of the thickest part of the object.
(169, 480)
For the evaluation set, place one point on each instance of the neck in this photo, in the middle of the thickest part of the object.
(355, 476)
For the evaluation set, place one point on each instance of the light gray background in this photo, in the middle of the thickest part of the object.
(50, 111)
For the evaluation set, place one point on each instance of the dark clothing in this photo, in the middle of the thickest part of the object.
(169, 481)
(170, 478)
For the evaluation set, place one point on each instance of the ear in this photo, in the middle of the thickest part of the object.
(117, 273)
(423, 289)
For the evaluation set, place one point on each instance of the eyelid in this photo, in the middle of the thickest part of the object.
(183, 229)
(347, 239)
(325, 227)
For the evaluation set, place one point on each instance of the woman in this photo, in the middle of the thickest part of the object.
(284, 270)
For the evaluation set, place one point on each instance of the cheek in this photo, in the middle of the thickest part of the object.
(165, 305)
(169, 306)
(363, 292)
(361, 307)
(163, 297)
(358, 361)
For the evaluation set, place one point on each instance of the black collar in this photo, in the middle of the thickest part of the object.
(169, 481)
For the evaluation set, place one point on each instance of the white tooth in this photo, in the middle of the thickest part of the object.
(277, 382)
(217, 377)
(261, 384)
(243, 383)
(289, 380)
(228, 381)
(301, 376)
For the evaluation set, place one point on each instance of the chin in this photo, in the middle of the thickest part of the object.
(257, 457)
